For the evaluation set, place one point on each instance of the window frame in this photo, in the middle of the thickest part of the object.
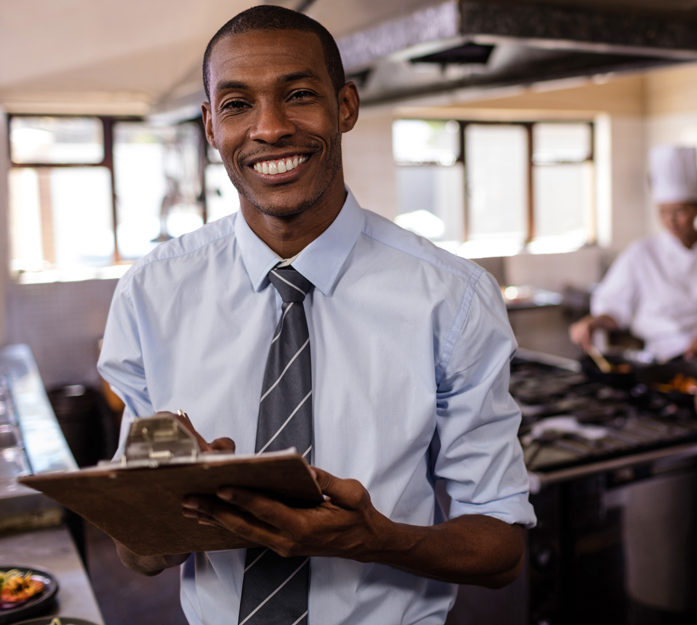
(108, 123)
(530, 166)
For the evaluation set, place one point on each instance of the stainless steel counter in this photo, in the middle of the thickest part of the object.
(32, 440)
(31, 529)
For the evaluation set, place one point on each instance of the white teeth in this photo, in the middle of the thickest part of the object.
(279, 166)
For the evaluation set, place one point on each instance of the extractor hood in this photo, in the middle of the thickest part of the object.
(397, 50)
(479, 45)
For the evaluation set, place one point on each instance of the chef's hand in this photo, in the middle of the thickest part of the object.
(691, 351)
(581, 332)
(346, 524)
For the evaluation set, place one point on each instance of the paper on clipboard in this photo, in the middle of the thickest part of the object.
(138, 501)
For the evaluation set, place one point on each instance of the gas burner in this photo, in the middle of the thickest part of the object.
(633, 419)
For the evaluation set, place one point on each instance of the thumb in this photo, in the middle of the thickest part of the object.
(344, 493)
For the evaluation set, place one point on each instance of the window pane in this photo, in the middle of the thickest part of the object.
(213, 154)
(221, 197)
(56, 140)
(422, 141)
(554, 143)
(60, 218)
(430, 201)
(157, 184)
(564, 203)
(496, 182)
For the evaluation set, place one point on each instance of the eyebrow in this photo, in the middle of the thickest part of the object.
(225, 85)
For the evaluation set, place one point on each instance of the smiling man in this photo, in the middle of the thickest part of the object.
(306, 320)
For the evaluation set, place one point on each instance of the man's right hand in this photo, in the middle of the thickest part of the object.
(581, 332)
(152, 565)
(148, 565)
(224, 444)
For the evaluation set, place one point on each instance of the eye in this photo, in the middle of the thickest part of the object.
(301, 94)
(234, 105)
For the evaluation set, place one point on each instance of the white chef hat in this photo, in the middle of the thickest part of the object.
(673, 174)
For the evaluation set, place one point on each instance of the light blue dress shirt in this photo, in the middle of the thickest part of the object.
(410, 344)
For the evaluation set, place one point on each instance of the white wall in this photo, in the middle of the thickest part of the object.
(62, 323)
(630, 207)
(4, 226)
(369, 168)
(580, 269)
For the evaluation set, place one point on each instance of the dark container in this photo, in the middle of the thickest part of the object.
(79, 413)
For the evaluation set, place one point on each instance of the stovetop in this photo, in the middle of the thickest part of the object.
(570, 419)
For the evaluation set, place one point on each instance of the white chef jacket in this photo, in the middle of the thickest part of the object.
(651, 289)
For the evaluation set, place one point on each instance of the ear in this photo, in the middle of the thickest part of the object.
(349, 103)
(208, 123)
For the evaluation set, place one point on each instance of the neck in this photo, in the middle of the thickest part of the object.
(689, 240)
(288, 235)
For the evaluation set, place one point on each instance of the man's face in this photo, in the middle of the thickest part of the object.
(277, 121)
(679, 219)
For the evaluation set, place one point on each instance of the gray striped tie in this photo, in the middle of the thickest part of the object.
(274, 590)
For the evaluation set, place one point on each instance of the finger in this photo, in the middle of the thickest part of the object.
(271, 512)
(201, 517)
(183, 418)
(213, 508)
(237, 521)
(223, 444)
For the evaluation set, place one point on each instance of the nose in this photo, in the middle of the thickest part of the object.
(271, 124)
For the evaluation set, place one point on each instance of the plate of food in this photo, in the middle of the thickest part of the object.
(24, 592)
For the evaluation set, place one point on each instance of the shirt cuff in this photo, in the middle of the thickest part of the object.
(515, 509)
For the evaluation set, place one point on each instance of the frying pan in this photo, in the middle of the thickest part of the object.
(654, 376)
(623, 376)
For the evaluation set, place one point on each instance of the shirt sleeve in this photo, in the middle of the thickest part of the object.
(121, 360)
(480, 457)
(617, 293)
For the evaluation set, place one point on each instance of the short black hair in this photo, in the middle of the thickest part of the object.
(269, 17)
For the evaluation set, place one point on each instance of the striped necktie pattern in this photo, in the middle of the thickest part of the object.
(275, 589)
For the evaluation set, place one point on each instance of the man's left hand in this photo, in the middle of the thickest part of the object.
(345, 525)
(470, 549)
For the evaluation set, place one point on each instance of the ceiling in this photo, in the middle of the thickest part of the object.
(135, 56)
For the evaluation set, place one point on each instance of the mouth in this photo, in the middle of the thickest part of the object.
(280, 165)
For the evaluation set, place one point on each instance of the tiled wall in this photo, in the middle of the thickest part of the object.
(62, 323)
(4, 257)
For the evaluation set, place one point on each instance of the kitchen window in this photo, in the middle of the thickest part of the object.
(90, 193)
(496, 188)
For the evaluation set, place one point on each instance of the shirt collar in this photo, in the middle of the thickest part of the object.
(320, 262)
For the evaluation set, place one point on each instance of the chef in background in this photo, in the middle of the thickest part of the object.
(651, 289)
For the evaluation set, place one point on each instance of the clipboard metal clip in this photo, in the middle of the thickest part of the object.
(157, 440)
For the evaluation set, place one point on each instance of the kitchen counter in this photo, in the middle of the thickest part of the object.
(53, 550)
(32, 532)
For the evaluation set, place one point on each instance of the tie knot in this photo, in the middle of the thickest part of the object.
(291, 285)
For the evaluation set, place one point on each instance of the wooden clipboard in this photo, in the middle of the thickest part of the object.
(140, 506)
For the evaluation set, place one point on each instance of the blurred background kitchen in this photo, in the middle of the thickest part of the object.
(513, 133)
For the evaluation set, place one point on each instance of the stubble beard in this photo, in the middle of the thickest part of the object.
(334, 165)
